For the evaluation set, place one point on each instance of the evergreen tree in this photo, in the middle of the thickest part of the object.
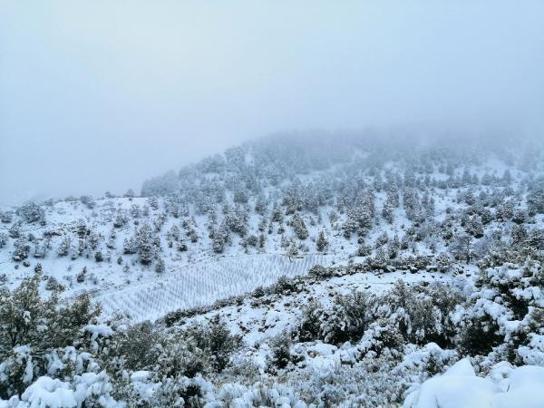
(299, 227)
(21, 249)
(535, 197)
(65, 245)
(475, 227)
(292, 251)
(160, 266)
(40, 249)
(262, 241)
(387, 213)
(146, 244)
(260, 205)
(220, 238)
(15, 230)
(3, 239)
(130, 246)
(120, 219)
(519, 234)
(31, 212)
(321, 243)
(111, 240)
(462, 248)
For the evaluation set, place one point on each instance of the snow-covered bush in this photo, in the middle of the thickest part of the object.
(345, 320)
(32, 328)
(216, 341)
(3, 239)
(31, 212)
(281, 352)
(506, 310)
(535, 198)
(459, 386)
(423, 314)
(21, 249)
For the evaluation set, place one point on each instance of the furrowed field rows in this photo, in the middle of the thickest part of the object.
(202, 284)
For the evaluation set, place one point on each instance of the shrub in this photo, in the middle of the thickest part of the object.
(479, 336)
(310, 325)
(281, 354)
(33, 327)
(217, 341)
(284, 286)
(179, 392)
(195, 350)
(424, 314)
(137, 345)
(31, 212)
(504, 310)
(346, 320)
(320, 272)
(178, 357)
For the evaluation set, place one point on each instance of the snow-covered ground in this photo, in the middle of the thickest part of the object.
(257, 321)
(434, 256)
(505, 387)
(201, 284)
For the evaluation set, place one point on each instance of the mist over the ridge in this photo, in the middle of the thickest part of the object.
(98, 96)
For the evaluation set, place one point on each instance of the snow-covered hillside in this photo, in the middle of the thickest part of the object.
(331, 271)
(292, 200)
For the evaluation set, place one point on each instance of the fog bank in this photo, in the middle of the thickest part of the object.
(101, 95)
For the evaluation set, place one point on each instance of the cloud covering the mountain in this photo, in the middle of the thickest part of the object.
(101, 95)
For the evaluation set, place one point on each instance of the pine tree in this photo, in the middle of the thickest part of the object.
(475, 227)
(277, 215)
(120, 219)
(21, 249)
(292, 251)
(262, 241)
(146, 244)
(299, 227)
(130, 246)
(462, 248)
(98, 256)
(64, 247)
(80, 278)
(135, 211)
(159, 266)
(40, 249)
(15, 230)
(174, 233)
(111, 240)
(387, 213)
(321, 243)
(260, 205)
(153, 202)
(519, 234)
(535, 198)
(220, 238)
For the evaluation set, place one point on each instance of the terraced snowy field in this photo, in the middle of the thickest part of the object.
(202, 284)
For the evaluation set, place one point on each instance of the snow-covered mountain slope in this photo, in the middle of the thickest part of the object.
(309, 271)
(267, 202)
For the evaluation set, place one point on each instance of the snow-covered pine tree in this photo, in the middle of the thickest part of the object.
(321, 243)
(299, 227)
(146, 244)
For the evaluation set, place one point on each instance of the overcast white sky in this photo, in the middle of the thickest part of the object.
(99, 95)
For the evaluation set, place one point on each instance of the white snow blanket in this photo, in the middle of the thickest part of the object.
(505, 387)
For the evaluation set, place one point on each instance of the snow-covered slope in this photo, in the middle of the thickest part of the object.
(264, 204)
(337, 271)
